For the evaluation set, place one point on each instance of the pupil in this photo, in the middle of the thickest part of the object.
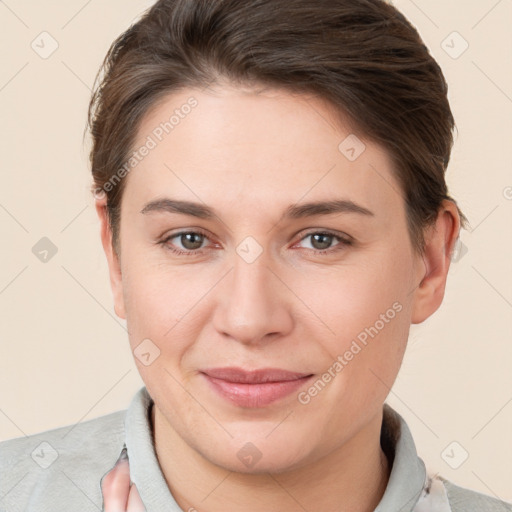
(186, 241)
(326, 244)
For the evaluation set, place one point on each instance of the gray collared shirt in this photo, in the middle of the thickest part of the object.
(61, 470)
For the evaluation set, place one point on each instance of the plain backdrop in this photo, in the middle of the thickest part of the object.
(65, 356)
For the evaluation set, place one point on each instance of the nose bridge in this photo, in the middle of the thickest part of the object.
(252, 304)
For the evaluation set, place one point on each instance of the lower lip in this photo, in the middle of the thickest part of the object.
(255, 395)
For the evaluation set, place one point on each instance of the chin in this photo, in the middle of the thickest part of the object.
(258, 458)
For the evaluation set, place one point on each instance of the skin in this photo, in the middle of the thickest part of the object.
(119, 493)
(249, 155)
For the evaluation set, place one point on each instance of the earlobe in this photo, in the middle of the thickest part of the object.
(439, 243)
(114, 266)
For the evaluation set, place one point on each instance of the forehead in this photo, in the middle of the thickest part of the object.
(270, 147)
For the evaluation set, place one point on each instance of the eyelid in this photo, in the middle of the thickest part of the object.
(325, 231)
(343, 238)
(168, 236)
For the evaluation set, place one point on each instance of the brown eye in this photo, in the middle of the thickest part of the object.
(191, 241)
(187, 242)
(322, 242)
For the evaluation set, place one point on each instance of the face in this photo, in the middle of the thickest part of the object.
(248, 277)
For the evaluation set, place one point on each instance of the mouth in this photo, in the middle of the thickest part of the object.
(254, 388)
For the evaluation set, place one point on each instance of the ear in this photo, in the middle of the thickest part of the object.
(440, 241)
(113, 261)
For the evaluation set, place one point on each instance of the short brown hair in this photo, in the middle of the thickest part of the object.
(363, 56)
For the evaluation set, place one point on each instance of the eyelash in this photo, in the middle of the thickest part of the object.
(343, 242)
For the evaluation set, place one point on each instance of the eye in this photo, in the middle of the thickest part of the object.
(191, 242)
(321, 241)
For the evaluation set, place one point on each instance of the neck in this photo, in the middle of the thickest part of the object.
(352, 478)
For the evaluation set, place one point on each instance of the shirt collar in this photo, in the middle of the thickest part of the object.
(407, 479)
(408, 473)
(145, 470)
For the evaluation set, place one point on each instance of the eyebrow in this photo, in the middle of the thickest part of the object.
(292, 212)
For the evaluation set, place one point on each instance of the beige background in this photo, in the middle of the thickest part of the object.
(65, 355)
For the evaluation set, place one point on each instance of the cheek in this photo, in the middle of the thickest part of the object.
(352, 298)
(164, 305)
(367, 310)
(149, 305)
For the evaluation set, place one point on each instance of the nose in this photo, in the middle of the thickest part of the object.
(254, 305)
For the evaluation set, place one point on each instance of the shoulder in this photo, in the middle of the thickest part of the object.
(462, 499)
(66, 462)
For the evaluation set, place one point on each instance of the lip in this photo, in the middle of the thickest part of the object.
(254, 388)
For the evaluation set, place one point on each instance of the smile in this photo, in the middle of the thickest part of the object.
(256, 388)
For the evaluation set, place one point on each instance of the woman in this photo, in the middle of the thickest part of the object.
(269, 179)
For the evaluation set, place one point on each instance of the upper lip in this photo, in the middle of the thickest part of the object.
(258, 376)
